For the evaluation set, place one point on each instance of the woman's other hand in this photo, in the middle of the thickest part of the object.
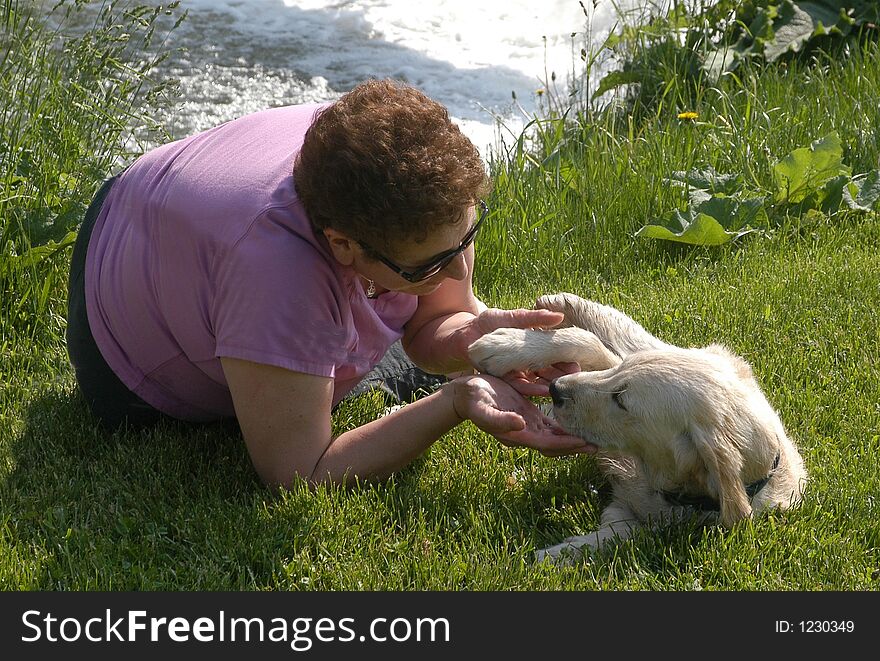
(498, 409)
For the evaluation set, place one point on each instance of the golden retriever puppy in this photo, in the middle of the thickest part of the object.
(680, 431)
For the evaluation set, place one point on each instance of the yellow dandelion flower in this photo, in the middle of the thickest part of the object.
(688, 115)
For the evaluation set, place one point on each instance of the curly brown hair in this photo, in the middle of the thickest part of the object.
(385, 165)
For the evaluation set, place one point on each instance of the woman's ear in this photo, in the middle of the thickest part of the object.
(342, 247)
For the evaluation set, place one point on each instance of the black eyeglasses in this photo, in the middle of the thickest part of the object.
(437, 263)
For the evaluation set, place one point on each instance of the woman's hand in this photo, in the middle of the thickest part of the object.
(537, 383)
(531, 384)
(498, 409)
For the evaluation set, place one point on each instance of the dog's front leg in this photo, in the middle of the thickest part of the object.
(615, 329)
(618, 524)
(508, 349)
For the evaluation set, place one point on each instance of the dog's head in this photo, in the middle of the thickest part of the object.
(694, 417)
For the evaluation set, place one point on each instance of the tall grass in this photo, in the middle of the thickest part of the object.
(179, 506)
(75, 88)
(70, 93)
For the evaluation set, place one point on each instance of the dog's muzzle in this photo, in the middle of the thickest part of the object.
(556, 394)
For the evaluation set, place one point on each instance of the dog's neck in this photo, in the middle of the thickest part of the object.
(710, 504)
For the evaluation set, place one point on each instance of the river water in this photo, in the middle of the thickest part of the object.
(485, 61)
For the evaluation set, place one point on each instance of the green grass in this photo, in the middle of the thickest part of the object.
(179, 507)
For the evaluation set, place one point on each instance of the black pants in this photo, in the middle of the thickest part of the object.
(396, 376)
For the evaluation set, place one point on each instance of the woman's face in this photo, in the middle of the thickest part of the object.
(413, 256)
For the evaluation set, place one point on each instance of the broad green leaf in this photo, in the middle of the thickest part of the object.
(827, 15)
(793, 27)
(698, 196)
(692, 227)
(805, 170)
(720, 60)
(782, 26)
(734, 214)
(863, 192)
(40, 253)
(761, 28)
(615, 79)
(707, 179)
(830, 196)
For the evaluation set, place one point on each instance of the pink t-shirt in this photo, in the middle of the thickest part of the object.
(202, 249)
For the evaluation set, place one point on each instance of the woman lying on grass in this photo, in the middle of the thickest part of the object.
(262, 268)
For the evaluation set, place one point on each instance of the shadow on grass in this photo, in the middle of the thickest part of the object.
(136, 509)
(179, 507)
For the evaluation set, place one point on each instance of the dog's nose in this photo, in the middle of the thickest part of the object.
(556, 394)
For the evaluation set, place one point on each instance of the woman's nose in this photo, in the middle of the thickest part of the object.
(457, 269)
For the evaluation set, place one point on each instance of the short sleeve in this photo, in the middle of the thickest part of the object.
(278, 302)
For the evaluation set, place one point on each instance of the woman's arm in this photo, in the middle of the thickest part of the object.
(285, 419)
(450, 319)
(433, 338)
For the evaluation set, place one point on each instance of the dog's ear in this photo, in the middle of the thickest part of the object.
(724, 462)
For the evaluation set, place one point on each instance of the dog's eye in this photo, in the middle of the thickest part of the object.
(617, 400)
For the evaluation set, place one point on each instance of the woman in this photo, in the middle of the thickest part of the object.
(261, 268)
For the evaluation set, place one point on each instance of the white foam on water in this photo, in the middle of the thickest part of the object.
(474, 57)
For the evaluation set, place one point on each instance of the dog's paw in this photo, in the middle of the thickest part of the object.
(570, 551)
(567, 304)
(500, 351)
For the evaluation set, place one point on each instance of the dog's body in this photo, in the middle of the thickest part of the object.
(679, 430)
